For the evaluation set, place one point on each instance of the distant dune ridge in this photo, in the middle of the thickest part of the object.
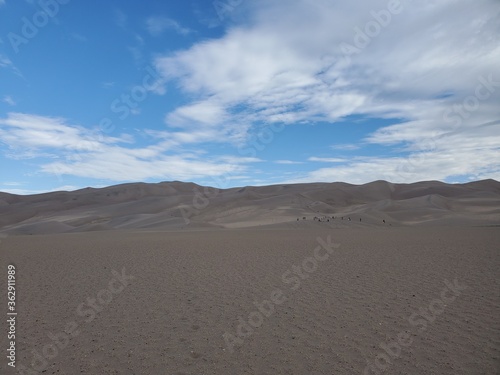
(179, 205)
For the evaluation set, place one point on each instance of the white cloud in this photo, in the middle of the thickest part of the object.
(120, 18)
(290, 162)
(30, 192)
(157, 25)
(7, 63)
(327, 160)
(82, 153)
(8, 99)
(470, 152)
(108, 85)
(21, 191)
(345, 147)
(287, 64)
(30, 132)
(120, 164)
(434, 165)
(136, 53)
(79, 37)
(293, 58)
(206, 113)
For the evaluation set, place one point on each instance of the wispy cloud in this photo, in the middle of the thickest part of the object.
(345, 147)
(206, 113)
(137, 49)
(108, 85)
(84, 154)
(291, 162)
(7, 63)
(287, 64)
(327, 160)
(120, 18)
(471, 152)
(8, 99)
(28, 132)
(79, 37)
(19, 191)
(157, 25)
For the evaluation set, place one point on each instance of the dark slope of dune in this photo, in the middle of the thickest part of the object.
(174, 205)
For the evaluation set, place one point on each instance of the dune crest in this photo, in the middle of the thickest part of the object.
(179, 205)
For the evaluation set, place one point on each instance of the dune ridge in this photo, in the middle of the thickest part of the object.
(179, 205)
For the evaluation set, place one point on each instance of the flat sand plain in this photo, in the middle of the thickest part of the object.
(406, 300)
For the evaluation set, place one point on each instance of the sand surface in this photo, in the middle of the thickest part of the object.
(190, 288)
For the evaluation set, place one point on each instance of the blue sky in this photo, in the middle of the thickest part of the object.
(247, 92)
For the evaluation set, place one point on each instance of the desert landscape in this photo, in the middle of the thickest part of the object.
(176, 278)
(250, 187)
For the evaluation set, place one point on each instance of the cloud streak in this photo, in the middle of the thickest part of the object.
(78, 152)
(157, 25)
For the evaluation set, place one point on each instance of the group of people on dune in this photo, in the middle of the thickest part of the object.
(328, 218)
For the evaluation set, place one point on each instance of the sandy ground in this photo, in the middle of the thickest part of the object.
(407, 300)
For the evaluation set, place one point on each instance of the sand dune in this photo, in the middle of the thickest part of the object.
(178, 205)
